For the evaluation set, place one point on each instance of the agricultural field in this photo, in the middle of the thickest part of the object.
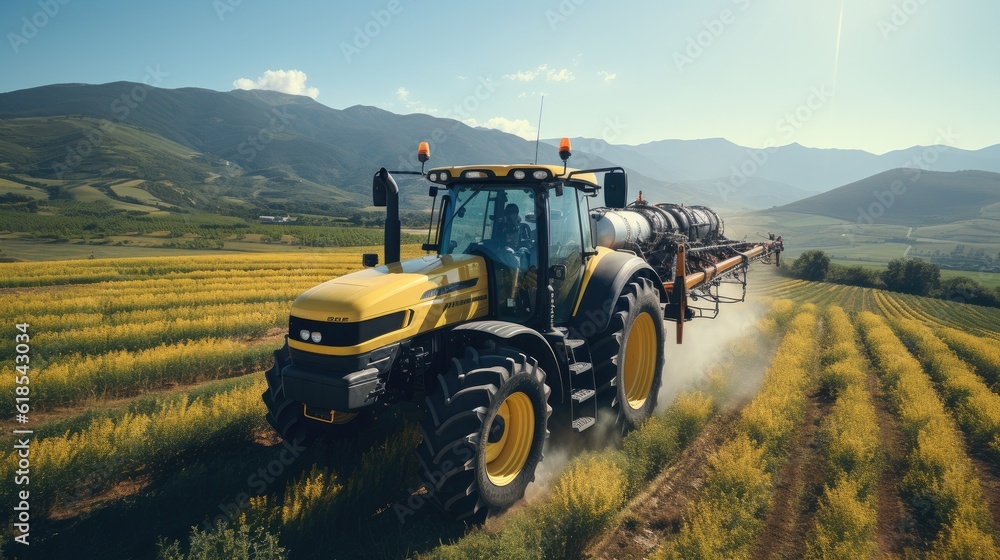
(815, 421)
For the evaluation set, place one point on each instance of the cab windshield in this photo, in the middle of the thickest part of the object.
(498, 221)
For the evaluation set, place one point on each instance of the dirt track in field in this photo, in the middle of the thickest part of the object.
(658, 509)
(798, 485)
(894, 522)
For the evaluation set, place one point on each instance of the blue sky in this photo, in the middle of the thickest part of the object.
(869, 74)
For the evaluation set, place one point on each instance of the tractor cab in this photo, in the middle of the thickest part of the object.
(530, 225)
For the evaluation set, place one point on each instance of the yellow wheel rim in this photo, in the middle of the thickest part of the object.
(506, 457)
(640, 361)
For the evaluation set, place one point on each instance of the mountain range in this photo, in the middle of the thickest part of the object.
(193, 147)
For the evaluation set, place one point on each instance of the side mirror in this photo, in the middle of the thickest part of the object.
(369, 260)
(615, 189)
(382, 185)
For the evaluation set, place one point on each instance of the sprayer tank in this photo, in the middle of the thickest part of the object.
(641, 225)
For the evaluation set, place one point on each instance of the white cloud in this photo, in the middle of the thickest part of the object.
(543, 70)
(527, 75)
(519, 127)
(285, 81)
(607, 77)
(403, 95)
(563, 75)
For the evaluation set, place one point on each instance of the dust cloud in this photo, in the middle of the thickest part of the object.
(705, 345)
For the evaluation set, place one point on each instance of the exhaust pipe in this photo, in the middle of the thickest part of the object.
(385, 193)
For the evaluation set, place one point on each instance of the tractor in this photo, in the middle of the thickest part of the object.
(531, 297)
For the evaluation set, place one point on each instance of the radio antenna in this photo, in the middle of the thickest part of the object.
(538, 135)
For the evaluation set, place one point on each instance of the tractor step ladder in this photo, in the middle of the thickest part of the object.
(582, 383)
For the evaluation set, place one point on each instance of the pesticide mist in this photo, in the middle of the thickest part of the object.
(705, 341)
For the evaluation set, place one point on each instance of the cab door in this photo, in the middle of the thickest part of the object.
(570, 242)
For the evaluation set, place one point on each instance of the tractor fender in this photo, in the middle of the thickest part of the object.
(604, 285)
(526, 339)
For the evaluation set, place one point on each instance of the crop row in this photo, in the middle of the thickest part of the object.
(114, 304)
(104, 270)
(976, 407)
(982, 353)
(850, 445)
(728, 517)
(253, 321)
(940, 482)
(982, 321)
(54, 323)
(121, 373)
(111, 450)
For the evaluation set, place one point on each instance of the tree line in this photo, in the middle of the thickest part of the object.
(905, 275)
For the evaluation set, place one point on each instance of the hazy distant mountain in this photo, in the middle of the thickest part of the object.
(790, 169)
(907, 197)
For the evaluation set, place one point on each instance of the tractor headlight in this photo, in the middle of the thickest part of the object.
(304, 334)
(433, 177)
(540, 174)
(316, 337)
(444, 176)
(519, 174)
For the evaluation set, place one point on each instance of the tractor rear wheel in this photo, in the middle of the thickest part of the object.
(628, 355)
(288, 418)
(484, 432)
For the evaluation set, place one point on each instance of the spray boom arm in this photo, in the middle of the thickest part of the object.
(687, 248)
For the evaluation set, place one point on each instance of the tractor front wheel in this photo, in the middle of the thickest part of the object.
(484, 432)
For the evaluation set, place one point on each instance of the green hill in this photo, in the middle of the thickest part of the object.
(277, 152)
(908, 197)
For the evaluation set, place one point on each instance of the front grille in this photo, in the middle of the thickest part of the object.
(346, 334)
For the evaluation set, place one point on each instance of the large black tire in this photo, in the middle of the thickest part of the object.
(288, 418)
(474, 460)
(628, 355)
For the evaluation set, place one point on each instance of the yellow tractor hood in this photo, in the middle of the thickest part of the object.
(402, 286)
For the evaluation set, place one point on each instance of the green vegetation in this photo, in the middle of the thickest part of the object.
(851, 448)
(906, 197)
(727, 518)
(940, 482)
(98, 222)
(977, 408)
(908, 276)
